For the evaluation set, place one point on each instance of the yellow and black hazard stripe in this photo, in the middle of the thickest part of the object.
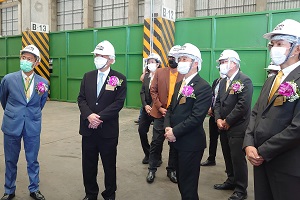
(163, 38)
(41, 41)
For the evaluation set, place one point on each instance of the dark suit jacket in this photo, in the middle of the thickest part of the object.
(187, 119)
(235, 108)
(275, 130)
(107, 104)
(159, 90)
(145, 91)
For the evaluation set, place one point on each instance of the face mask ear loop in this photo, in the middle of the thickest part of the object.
(289, 54)
(191, 65)
(33, 65)
(106, 62)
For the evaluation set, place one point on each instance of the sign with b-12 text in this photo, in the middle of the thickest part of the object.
(168, 13)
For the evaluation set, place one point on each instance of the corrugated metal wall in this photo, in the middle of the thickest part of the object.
(282, 4)
(221, 7)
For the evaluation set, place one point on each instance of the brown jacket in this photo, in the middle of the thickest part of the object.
(159, 90)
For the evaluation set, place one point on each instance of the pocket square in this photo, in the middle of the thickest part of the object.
(182, 100)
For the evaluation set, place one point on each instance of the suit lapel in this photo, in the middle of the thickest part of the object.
(167, 79)
(237, 76)
(192, 83)
(20, 84)
(175, 95)
(36, 80)
(266, 91)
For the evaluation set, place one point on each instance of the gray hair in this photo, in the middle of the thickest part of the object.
(236, 61)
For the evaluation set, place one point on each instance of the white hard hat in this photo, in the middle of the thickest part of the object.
(33, 50)
(174, 50)
(189, 50)
(273, 67)
(154, 56)
(228, 53)
(105, 48)
(287, 27)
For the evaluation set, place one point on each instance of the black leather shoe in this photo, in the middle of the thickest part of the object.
(224, 186)
(208, 163)
(145, 160)
(159, 163)
(37, 195)
(172, 176)
(8, 196)
(150, 177)
(238, 196)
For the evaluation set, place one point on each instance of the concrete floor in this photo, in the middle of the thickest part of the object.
(60, 162)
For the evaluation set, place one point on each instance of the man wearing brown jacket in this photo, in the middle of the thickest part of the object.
(162, 89)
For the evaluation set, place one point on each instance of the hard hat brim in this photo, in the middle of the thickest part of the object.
(269, 35)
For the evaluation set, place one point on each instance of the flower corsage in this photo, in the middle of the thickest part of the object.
(114, 81)
(237, 86)
(289, 90)
(41, 88)
(188, 91)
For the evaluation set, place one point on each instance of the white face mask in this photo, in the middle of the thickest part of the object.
(100, 62)
(152, 67)
(184, 67)
(278, 55)
(224, 68)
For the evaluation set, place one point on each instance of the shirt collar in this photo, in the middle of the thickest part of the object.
(286, 71)
(105, 72)
(233, 75)
(24, 75)
(187, 80)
